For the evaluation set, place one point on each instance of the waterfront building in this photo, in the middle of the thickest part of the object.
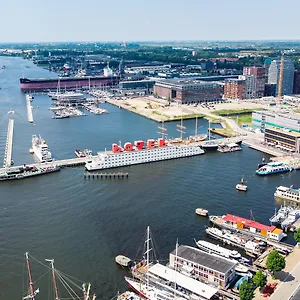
(296, 88)
(286, 140)
(136, 84)
(255, 82)
(235, 88)
(248, 226)
(288, 75)
(208, 267)
(263, 119)
(188, 91)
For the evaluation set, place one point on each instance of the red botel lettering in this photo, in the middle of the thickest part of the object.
(116, 148)
(128, 147)
(139, 144)
(150, 144)
(161, 142)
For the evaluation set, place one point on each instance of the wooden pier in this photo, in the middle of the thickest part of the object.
(119, 175)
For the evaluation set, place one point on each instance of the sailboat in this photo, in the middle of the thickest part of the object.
(55, 95)
(196, 137)
(209, 145)
(241, 186)
(57, 277)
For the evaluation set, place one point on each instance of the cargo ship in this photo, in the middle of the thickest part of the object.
(68, 83)
(140, 153)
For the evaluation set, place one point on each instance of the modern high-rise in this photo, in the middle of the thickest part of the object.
(288, 75)
(255, 82)
(296, 82)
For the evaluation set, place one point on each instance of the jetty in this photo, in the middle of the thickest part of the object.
(29, 108)
(7, 162)
(119, 175)
(81, 161)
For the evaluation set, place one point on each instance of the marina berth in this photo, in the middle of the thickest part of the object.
(141, 152)
(288, 193)
(248, 226)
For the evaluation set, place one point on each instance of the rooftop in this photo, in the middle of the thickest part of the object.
(292, 133)
(247, 222)
(210, 261)
(186, 282)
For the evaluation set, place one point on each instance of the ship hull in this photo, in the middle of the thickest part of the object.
(43, 85)
(91, 167)
(24, 176)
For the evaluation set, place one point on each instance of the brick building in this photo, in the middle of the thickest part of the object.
(188, 91)
(234, 89)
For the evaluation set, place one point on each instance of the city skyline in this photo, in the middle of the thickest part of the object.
(134, 20)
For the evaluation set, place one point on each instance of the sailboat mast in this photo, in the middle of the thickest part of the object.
(54, 278)
(148, 240)
(30, 277)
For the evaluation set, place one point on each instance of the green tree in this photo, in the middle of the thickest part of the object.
(246, 291)
(297, 235)
(275, 262)
(260, 279)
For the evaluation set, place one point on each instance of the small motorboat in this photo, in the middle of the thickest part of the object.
(241, 186)
(122, 260)
(201, 212)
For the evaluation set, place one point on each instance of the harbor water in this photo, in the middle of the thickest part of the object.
(83, 224)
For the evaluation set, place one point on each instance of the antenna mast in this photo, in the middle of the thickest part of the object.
(54, 277)
(280, 83)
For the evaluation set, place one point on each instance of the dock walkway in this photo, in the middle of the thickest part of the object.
(9, 144)
(29, 108)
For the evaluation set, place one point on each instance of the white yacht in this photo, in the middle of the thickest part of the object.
(140, 153)
(216, 249)
(292, 217)
(288, 193)
(40, 149)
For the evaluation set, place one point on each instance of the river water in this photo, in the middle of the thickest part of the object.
(84, 224)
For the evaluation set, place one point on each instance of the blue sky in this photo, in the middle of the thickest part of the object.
(143, 20)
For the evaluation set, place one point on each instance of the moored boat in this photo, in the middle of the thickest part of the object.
(288, 193)
(216, 249)
(122, 260)
(40, 149)
(26, 172)
(201, 212)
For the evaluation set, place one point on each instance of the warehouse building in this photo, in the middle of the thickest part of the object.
(187, 91)
(208, 267)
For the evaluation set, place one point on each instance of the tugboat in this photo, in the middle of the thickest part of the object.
(241, 186)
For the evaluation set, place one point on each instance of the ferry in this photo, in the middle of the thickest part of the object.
(216, 249)
(249, 227)
(140, 153)
(273, 168)
(26, 172)
(40, 149)
(288, 193)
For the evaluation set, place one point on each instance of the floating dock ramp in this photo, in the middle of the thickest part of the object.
(29, 108)
(7, 162)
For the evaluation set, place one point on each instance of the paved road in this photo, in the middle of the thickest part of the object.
(288, 286)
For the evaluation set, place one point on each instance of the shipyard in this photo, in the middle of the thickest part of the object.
(158, 170)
